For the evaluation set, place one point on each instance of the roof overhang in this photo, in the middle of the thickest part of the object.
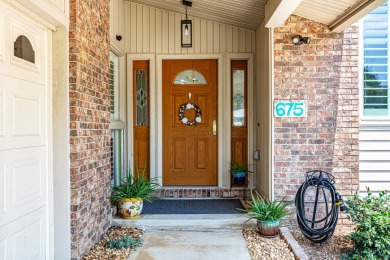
(354, 13)
(249, 14)
(336, 14)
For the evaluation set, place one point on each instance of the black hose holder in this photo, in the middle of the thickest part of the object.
(318, 203)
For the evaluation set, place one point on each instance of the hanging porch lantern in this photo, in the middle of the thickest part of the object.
(186, 29)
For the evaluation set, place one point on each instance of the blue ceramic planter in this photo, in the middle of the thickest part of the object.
(239, 177)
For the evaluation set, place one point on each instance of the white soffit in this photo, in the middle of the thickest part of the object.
(323, 11)
(337, 14)
(246, 14)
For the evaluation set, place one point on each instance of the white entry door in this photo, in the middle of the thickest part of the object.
(24, 138)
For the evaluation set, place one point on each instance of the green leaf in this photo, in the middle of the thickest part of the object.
(371, 216)
(134, 187)
(264, 210)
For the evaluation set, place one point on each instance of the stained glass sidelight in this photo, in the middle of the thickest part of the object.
(141, 98)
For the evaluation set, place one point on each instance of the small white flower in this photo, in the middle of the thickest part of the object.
(189, 106)
(198, 119)
(184, 120)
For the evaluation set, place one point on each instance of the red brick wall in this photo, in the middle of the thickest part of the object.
(325, 74)
(89, 123)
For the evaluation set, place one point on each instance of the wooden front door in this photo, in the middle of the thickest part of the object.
(189, 151)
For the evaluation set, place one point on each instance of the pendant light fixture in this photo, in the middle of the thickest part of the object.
(186, 28)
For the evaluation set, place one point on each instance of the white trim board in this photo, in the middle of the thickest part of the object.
(61, 146)
(272, 125)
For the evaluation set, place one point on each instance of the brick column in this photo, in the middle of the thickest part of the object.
(325, 74)
(89, 123)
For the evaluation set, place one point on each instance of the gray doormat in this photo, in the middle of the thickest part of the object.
(193, 206)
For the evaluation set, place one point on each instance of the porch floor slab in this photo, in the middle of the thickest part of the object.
(192, 245)
(188, 222)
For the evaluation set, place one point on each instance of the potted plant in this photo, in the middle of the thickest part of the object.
(131, 192)
(267, 213)
(239, 171)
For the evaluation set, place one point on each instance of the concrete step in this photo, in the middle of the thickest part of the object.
(196, 222)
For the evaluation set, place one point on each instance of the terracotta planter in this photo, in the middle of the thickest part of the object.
(268, 228)
(131, 208)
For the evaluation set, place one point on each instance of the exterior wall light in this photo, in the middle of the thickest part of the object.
(186, 29)
(298, 40)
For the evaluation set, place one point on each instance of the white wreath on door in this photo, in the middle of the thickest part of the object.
(184, 119)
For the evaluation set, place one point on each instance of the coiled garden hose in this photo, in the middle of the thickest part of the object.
(318, 230)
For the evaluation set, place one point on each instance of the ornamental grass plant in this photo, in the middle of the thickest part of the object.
(131, 186)
(264, 210)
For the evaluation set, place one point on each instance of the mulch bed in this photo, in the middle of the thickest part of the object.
(101, 251)
(266, 248)
(331, 249)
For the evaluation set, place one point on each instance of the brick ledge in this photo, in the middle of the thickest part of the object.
(293, 244)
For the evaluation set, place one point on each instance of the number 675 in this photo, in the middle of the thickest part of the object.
(290, 109)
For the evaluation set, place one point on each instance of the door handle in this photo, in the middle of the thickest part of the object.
(214, 132)
(214, 128)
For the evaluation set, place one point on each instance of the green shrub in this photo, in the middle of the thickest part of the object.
(371, 235)
(124, 242)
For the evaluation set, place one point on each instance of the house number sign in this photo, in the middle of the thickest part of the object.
(290, 108)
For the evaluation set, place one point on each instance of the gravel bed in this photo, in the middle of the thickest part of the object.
(100, 250)
(330, 249)
(266, 248)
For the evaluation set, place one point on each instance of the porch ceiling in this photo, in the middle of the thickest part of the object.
(246, 14)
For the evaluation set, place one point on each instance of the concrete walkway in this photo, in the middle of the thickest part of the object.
(192, 245)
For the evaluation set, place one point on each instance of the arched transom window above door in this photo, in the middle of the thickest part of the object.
(190, 77)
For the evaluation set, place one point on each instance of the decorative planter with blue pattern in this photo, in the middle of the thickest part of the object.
(239, 177)
(268, 228)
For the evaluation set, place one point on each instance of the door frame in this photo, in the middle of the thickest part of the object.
(209, 69)
(250, 114)
(223, 99)
(220, 107)
(152, 108)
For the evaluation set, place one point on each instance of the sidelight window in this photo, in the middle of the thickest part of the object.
(239, 104)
